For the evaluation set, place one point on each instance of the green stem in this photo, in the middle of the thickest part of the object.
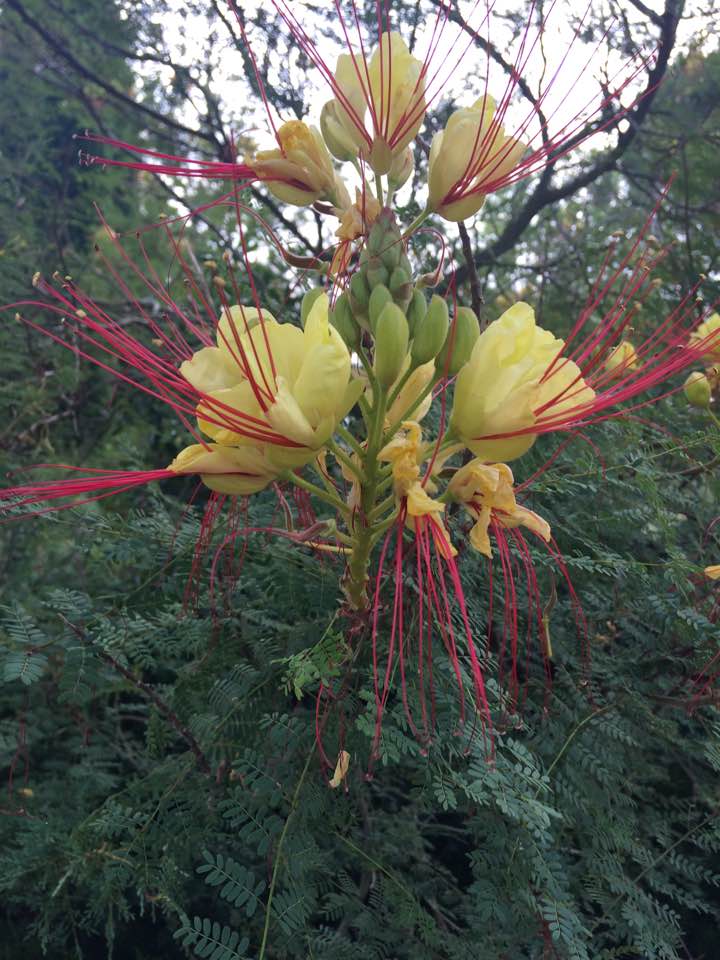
(400, 384)
(417, 222)
(356, 587)
(349, 439)
(340, 455)
(281, 842)
(379, 189)
(316, 491)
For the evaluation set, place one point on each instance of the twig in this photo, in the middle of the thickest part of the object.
(171, 717)
(476, 296)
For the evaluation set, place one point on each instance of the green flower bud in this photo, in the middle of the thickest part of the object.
(307, 303)
(334, 134)
(401, 287)
(359, 297)
(430, 333)
(698, 391)
(391, 344)
(342, 319)
(376, 273)
(462, 335)
(417, 308)
(401, 169)
(378, 298)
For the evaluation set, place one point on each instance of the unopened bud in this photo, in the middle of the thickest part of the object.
(698, 391)
(431, 332)
(308, 302)
(417, 308)
(378, 299)
(391, 344)
(401, 169)
(341, 317)
(459, 342)
(622, 359)
(401, 286)
(359, 291)
(334, 134)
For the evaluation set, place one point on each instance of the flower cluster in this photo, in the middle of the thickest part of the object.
(330, 402)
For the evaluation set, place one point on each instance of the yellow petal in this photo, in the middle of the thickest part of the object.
(211, 369)
(238, 471)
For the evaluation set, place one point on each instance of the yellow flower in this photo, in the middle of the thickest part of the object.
(708, 331)
(277, 380)
(713, 572)
(486, 492)
(392, 87)
(300, 171)
(470, 153)
(621, 359)
(406, 452)
(501, 387)
(239, 471)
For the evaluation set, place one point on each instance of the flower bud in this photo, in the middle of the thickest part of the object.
(461, 340)
(431, 332)
(339, 143)
(401, 169)
(344, 322)
(378, 299)
(707, 335)
(391, 344)
(621, 359)
(417, 308)
(698, 391)
(376, 273)
(359, 292)
(308, 301)
(401, 287)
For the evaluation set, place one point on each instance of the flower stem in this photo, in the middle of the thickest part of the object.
(417, 223)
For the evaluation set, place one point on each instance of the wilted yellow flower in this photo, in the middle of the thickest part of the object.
(300, 171)
(293, 384)
(471, 153)
(392, 87)
(356, 219)
(486, 492)
(239, 471)
(622, 358)
(406, 452)
(708, 331)
(501, 387)
(712, 572)
(341, 769)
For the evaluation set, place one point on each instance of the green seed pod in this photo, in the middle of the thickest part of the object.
(431, 332)
(417, 308)
(341, 317)
(391, 344)
(378, 298)
(462, 335)
(308, 302)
